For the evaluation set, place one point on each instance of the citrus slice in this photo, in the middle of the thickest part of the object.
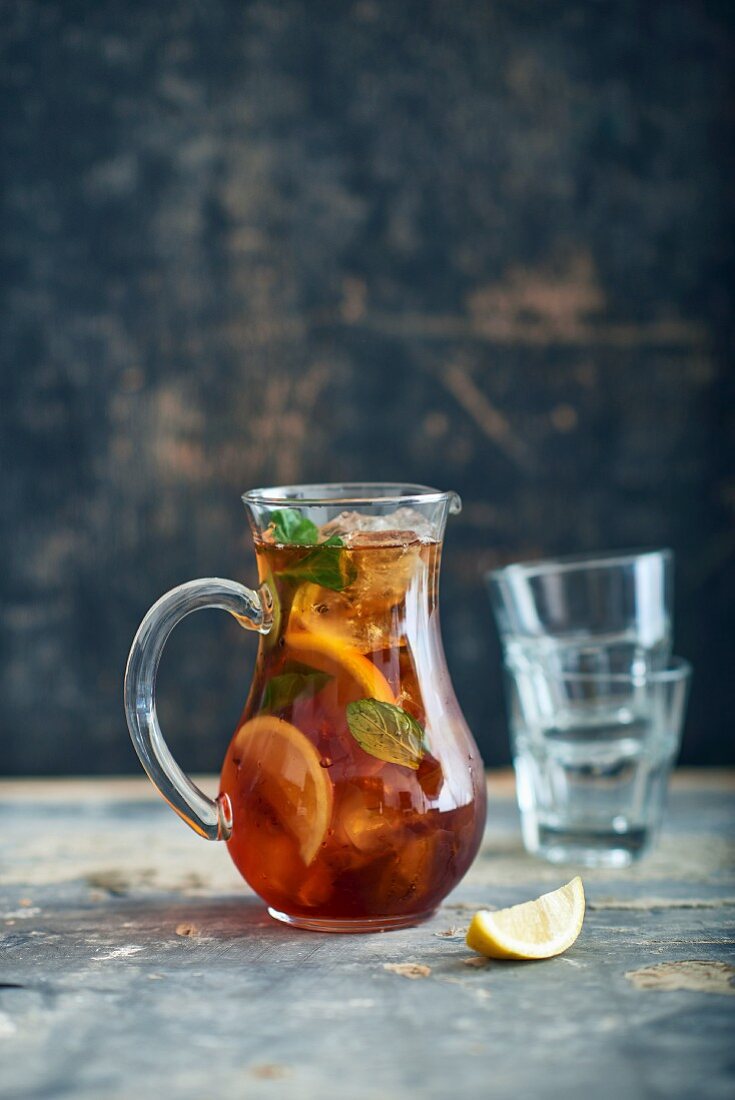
(289, 776)
(331, 654)
(535, 930)
(321, 611)
(356, 616)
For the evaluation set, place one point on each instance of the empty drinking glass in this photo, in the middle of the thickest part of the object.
(592, 754)
(595, 702)
(601, 613)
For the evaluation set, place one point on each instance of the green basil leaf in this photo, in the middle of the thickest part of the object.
(386, 732)
(291, 527)
(325, 565)
(281, 691)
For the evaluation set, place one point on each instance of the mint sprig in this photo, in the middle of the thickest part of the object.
(387, 732)
(281, 691)
(290, 527)
(325, 565)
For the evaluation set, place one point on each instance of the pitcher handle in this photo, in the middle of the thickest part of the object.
(208, 817)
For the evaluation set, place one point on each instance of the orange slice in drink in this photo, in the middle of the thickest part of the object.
(330, 653)
(287, 770)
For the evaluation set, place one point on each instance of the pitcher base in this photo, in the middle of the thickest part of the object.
(369, 924)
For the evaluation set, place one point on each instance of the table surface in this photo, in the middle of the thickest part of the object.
(136, 963)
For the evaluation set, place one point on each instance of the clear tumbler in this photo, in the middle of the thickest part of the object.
(597, 614)
(592, 754)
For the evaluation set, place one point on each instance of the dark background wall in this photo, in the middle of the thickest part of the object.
(481, 244)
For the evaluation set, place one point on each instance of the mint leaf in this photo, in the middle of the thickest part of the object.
(281, 691)
(387, 732)
(290, 527)
(325, 565)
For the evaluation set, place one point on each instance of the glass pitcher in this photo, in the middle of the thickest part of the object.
(352, 796)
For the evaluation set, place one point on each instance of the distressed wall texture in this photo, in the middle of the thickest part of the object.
(480, 244)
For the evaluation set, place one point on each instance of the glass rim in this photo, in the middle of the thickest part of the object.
(678, 669)
(354, 493)
(569, 563)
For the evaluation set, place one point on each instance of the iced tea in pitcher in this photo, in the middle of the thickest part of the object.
(355, 791)
(352, 795)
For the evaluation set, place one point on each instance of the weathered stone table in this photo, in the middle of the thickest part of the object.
(136, 964)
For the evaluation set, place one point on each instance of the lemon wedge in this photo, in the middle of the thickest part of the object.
(282, 766)
(331, 654)
(535, 930)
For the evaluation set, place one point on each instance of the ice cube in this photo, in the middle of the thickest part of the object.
(363, 819)
(384, 574)
(385, 560)
(343, 615)
(423, 860)
(403, 525)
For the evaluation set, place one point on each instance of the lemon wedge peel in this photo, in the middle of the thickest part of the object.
(536, 929)
(321, 649)
(310, 819)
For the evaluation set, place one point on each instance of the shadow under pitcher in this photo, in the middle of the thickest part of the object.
(352, 795)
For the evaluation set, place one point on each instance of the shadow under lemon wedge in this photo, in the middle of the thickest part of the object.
(534, 930)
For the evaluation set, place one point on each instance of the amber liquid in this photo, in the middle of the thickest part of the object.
(324, 829)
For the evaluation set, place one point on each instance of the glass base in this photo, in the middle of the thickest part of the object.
(336, 924)
(590, 848)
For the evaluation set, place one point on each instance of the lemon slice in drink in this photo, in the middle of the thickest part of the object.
(287, 770)
(331, 654)
(361, 621)
(321, 611)
(535, 930)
